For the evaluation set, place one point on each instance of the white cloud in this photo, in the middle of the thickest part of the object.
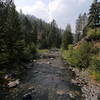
(57, 8)
(63, 11)
(38, 9)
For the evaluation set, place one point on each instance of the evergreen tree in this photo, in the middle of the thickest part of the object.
(35, 33)
(3, 54)
(13, 34)
(19, 33)
(78, 28)
(67, 37)
(81, 24)
(94, 15)
(54, 38)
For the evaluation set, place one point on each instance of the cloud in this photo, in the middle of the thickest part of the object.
(63, 11)
(38, 9)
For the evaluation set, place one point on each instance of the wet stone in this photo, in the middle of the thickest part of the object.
(47, 81)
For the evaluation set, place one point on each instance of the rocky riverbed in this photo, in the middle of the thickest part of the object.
(48, 79)
(90, 90)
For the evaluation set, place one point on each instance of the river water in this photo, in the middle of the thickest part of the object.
(48, 79)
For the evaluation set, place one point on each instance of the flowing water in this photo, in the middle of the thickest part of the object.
(47, 80)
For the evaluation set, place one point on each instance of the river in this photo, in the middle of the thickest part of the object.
(48, 79)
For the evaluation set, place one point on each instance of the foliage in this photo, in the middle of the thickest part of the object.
(29, 52)
(41, 51)
(81, 24)
(54, 37)
(15, 45)
(89, 26)
(95, 66)
(96, 75)
(94, 15)
(92, 29)
(85, 56)
(79, 57)
(93, 34)
(20, 35)
(67, 37)
(95, 63)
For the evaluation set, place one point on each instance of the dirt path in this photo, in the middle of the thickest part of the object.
(47, 80)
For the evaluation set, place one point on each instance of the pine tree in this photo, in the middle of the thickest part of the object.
(81, 24)
(35, 34)
(94, 15)
(54, 38)
(13, 38)
(78, 28)
(67, 37)
(3, 53)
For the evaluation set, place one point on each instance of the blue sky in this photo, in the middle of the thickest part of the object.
(63, 11)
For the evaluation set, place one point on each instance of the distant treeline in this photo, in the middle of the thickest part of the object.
(21, 35)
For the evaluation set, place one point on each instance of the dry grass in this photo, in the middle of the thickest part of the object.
(97, 44)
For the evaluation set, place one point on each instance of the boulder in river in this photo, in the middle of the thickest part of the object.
(48, 62)
(27, 97)
(52, 58)
(12, 84)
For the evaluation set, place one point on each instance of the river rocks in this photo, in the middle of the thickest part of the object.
(74, 81)
(12, 84)
(46, 80)
(48, 62)
(79, 82)
(29, 66)
(8, 77)
(77, 72)
(90, 91)
(36, 72)
(47, 56)
(71, 95)
(27, 97)
(98, 97)
(51, 58)
(34, 60)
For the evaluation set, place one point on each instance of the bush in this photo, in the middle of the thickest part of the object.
(96, 75)
(29, 52)
(3, 58)
(94, 34)
(95, 63)
(85, 51)
(80, 57)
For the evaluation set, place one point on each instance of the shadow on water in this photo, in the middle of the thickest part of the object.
(46, 82)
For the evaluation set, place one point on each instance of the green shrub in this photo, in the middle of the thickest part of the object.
(95, 63)
(85, 54)
(29, 52)
(81, 56)
(70, 47)
(96, 75)
(3, 58)
(41, 51)
(94, 34)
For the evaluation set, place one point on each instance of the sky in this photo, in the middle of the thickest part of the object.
(63, 11)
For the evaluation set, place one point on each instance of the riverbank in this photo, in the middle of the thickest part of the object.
(47, 79)
(90, 89)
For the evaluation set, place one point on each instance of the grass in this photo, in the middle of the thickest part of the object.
(94, 73)
(95, 76)
(41, 51)
(64, 53)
